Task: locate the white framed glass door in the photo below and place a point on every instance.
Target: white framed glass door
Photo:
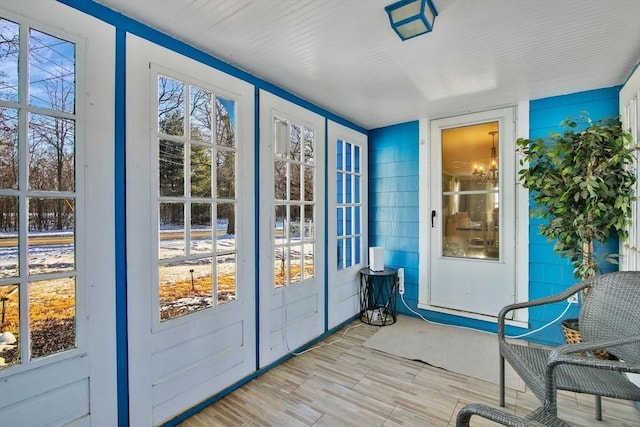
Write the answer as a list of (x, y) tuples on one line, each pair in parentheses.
[(57, 246), (291, 228), (347, 220), (190, 245), (472, 212)]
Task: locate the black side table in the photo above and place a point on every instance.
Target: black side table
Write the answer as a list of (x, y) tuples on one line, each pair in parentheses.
[(378, 296)]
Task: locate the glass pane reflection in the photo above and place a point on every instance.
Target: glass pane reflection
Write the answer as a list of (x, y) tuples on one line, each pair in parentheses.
[(51, 153), (471, 226), (10, 298), (52, 316), (172, 241), (8, 147), (9, 34), (226, 275), (51, 238), (185, 287), (52, 75), (9, 246)]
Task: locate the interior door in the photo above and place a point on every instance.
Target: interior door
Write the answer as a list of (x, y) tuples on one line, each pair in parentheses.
[(190, 232), (292, 293), (472, 215)]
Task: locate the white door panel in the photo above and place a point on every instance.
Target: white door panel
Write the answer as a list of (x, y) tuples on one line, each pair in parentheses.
[(292, 232), (190, 233), (57, 105), (347, 229), (473, 245)]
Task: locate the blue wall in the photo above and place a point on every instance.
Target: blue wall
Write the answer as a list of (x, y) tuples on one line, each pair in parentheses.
[(394, 214), (393, 200), (548, 272)]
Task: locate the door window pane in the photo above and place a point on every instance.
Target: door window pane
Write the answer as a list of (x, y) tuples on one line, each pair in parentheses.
[(470, 192), (226, 174), (8, 148), (225, 122), (226, 277), (9, 245), (171, 106), (51, 242), (295, 141), (52, 314), (10, 325), (52, 76), (200, 172), (185, 287), (201, 229), (51, 153), (294, 181), (226, 227), (171, 168), (172, 237), (10, 36), (308, 179), (309, 222), (200, 114)]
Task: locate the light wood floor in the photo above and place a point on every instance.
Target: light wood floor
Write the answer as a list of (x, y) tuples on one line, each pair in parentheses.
[(347, 384)]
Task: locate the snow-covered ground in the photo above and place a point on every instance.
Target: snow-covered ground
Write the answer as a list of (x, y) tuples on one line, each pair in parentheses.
[(51, 257)]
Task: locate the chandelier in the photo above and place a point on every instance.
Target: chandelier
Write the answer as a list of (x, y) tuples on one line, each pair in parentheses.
[(490, 175)]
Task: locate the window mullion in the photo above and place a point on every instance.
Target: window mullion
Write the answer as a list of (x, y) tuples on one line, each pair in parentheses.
[(187, 201), (23, 209), (23, 66), (23, 289)]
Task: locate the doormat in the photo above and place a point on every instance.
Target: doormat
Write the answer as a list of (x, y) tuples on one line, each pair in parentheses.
[(464, 351)]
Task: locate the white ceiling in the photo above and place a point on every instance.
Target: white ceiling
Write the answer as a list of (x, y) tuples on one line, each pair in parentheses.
[(343, 56)]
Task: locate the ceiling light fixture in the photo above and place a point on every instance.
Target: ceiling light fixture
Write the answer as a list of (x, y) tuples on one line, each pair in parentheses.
[(492, 174), (410, 18)]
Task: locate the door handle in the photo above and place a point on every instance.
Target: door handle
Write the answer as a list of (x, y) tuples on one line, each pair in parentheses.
[(433, 216)]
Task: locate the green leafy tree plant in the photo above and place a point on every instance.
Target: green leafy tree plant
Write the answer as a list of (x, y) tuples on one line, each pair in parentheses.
[(582, 182)]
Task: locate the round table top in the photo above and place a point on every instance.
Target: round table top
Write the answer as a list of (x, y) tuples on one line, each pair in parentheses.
[(388, 271)]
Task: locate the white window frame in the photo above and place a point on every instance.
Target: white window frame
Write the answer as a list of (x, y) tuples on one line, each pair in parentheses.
[(157, 70), (79, 273), (94, 361), (344, 284), (630, 117)]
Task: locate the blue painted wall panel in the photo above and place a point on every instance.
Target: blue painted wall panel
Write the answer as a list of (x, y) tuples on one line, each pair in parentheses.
[(393, 198), (394, 216), (549, 273)]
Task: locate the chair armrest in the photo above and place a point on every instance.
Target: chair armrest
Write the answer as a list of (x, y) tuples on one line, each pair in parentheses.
[(573, 354), (562, 296), (541, 417), (581, 347), (499, 416), (566, 355)]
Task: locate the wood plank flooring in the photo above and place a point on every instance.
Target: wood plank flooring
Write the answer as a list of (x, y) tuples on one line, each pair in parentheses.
[(347, 384)]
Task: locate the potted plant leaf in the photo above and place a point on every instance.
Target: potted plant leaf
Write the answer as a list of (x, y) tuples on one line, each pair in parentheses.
[(582, 182)]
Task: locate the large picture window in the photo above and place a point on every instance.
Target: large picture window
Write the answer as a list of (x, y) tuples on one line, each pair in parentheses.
[(38, 194), (196, 197)]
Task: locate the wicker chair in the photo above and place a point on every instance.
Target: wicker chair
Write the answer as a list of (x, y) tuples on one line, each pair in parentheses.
[(609, 320), (541, 417)]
